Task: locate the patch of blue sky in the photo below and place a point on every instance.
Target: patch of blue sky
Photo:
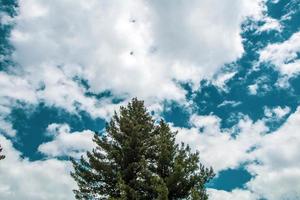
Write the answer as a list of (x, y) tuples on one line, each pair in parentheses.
[(177, 114), (8, 8), (230, 179), (31, 125), (277, 9)]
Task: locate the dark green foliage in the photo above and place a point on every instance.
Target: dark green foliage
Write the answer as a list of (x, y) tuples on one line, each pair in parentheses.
[(137, 159), (181, 170), (1, 156)]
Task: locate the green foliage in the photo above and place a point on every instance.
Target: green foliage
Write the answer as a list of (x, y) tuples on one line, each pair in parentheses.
[(179, 168), (1, 156), (137, 159)]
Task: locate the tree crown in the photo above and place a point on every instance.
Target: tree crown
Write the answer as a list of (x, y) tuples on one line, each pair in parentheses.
[(139, 159)]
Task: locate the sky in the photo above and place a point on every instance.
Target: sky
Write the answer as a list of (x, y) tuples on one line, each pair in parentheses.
[(224, 74)]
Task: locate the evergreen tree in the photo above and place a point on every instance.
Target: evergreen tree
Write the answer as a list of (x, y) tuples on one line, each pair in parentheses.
[(180, 169), (136, 159), (1, 156), (117, 167)]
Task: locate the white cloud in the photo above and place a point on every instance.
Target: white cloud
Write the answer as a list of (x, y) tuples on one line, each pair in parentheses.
[(221, 80), (212, 141), (62, 91), (13, 88), (36, 180), (200, 36), (270, 24), (66, 143), (253, 89), (260, 87), (275, 1), (91, 40), (284, 55), (231, 103), (237, 194), (277, 112), (139, 48), (277, 174), (6, 127)]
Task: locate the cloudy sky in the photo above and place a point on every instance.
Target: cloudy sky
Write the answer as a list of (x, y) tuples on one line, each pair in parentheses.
[(225, 74)]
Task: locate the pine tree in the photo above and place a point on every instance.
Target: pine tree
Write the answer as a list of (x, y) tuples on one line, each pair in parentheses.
[(117, 167), (1, 156), (137, 159), (180, 169)]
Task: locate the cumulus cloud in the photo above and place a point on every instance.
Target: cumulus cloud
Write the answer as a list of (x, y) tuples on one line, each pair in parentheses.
[(129, 48), (277, 174), (15, 87), (37, 180), (66, 143), (284, 56), (222, 149)]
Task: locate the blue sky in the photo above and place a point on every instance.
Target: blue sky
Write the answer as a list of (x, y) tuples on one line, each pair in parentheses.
[(225, 74)]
